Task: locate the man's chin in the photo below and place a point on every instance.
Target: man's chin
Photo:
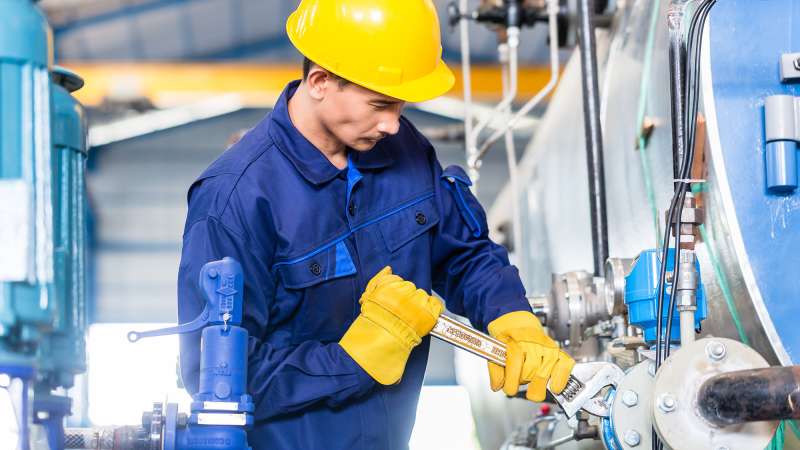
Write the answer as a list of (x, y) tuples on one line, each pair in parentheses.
[(364, 145)]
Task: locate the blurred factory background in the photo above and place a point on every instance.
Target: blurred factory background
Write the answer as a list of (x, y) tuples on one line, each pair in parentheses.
[(168, 85)]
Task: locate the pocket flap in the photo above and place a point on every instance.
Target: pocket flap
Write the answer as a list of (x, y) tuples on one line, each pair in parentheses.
[(408, 223), (458, 183), (328, 262)]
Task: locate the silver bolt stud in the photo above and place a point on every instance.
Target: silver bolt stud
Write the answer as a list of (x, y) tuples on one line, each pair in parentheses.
[(797, 64), (632, 438), (716, 350), (630, 398), (667, 403)]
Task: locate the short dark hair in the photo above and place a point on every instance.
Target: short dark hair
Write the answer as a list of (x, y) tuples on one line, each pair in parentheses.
[(309, 64)]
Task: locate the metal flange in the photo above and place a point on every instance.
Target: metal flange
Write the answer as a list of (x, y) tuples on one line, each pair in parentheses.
[(631, 411), (674, 399)]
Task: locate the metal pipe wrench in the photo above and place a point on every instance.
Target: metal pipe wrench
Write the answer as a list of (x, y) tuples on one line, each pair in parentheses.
[(583, 391)]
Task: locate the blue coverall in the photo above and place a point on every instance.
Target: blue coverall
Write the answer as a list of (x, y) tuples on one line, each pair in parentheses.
[(309, 237)]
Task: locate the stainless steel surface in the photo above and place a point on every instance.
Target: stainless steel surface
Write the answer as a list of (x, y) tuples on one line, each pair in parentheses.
[(556, 207), (616, 271), (574, 306)]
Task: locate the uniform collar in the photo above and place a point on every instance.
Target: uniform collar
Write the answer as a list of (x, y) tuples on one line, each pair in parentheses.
[(306, 158)]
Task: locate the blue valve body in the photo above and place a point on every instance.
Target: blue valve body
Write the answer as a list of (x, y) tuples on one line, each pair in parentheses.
[(223, 364), (641, 296), (212, 438), (221, 410)]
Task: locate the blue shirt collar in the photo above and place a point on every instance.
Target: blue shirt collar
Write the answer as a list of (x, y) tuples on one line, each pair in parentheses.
[(306, 158)]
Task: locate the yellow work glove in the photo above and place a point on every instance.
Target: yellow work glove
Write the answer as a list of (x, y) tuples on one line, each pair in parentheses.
[(531, 357), (394, 318)]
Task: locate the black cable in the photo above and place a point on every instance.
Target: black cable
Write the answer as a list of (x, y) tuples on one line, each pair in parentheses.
[(693, 71), (687, 89)]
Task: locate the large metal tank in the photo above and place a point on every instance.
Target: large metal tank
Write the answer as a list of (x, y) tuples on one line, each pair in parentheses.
[(752, 236)]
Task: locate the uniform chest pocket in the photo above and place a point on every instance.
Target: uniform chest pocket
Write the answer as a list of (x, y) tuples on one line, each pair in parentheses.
[(322, 285), (406, 225)]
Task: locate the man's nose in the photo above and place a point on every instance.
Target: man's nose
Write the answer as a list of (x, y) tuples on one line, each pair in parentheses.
[(390, 124)]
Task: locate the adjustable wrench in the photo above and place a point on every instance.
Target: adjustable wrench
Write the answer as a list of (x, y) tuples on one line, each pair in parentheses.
[(584, 384)]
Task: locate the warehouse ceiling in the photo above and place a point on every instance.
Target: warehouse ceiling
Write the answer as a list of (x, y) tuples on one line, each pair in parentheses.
[(211, 30)]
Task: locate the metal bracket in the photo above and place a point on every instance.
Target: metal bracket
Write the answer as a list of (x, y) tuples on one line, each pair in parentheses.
[(790, 67)]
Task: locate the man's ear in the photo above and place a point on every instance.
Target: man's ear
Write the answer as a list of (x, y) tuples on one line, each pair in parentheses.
[(318, 81)]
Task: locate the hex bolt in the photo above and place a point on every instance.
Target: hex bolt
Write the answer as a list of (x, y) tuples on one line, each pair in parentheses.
[(630, 398), (667, 403), (716, 350), (633, 438)]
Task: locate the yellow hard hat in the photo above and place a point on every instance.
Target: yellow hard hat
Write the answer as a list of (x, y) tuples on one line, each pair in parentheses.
[(389, 46)]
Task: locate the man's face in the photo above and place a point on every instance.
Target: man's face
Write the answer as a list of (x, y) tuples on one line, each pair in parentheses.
[(358, 117)]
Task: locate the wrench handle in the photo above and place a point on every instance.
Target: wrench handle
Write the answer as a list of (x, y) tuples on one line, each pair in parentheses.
[(477, 343), (470, 339)]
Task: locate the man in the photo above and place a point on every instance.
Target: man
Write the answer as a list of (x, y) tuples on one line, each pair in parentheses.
[(330, 204)]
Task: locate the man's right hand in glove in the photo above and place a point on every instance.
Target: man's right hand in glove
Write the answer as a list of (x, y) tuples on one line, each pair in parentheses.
[(394, 318)]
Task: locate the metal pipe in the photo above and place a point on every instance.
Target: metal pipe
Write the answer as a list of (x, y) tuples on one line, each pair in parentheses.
[(509, 55), (677, 63), (594, 134), (687, 326), (512, 34), (751, 396), (552, 10), (466, 75)]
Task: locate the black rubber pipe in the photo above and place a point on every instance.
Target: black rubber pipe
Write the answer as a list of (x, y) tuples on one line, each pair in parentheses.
[(594, 134), (751, 396)]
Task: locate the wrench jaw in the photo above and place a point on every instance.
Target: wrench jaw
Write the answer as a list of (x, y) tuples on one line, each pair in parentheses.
[(584, 387)]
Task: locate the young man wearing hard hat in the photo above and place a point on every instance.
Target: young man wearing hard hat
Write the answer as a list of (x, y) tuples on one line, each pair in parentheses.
[(330, 204)]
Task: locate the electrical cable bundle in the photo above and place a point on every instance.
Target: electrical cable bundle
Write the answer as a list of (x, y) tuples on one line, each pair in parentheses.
[(688, 53)]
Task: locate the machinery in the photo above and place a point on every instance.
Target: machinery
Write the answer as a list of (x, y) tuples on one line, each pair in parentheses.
[(42, 231), (221, 409), (674, 266), (659, 244)]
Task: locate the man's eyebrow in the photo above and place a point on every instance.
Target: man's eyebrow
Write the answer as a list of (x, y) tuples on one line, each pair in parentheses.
[(383, 101)]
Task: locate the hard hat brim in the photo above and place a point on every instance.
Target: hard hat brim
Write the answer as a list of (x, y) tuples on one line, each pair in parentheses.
[(432, 85), (428, 87)]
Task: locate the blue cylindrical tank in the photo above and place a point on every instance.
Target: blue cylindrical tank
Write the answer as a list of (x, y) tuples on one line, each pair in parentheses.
[(25, 174), (62, 352)]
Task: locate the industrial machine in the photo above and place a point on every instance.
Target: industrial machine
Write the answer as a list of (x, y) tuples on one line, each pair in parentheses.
[(658, 238), (659, 245), (42, 231), (221, 410)]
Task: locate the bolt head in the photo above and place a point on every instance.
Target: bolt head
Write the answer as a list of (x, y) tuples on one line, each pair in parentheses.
[(716, 350), (632, 438), (667, 403), (630, 398)]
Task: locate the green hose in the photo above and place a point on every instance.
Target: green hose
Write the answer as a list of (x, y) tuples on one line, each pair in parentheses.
[(648, 60), (724, 287)]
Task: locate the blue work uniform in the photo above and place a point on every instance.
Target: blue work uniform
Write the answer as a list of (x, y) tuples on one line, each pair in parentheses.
[(309, 237)]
